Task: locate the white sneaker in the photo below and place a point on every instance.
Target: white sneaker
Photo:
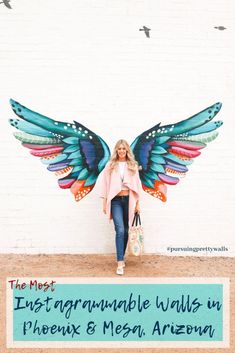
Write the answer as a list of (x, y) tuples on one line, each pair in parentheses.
[(120, 271)]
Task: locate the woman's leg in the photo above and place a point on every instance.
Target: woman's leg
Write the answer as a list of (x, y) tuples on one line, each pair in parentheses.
[(126, 221), (117, 214)]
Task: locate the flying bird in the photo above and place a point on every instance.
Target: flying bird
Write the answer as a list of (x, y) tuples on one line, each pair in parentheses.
[(221, 28), (77, 155), (6, 3), (146, 31)]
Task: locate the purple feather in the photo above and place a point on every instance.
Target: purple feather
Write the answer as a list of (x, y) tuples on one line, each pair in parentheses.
[(176, 167), (168, 179), (58, 166), (90, 154), (65, 183), (144, 153)]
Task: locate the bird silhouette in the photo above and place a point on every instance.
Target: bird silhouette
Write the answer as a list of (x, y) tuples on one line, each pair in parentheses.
[(221, 28), (6, 3), (146, 31)]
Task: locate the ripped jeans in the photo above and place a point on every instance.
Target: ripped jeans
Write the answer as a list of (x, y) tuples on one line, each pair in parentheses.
[(119, 210)]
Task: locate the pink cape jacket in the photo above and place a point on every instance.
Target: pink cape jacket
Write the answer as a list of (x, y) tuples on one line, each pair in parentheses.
[(111, 185)]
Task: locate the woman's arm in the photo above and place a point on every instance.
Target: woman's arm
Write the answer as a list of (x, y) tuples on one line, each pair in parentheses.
[(104, 205), (104, 188), (137, 207), (104, 179)]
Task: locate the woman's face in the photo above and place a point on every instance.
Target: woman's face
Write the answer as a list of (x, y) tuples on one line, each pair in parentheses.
[(121, 152)]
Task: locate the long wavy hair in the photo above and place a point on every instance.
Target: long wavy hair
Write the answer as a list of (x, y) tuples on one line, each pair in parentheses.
[(132, 165)]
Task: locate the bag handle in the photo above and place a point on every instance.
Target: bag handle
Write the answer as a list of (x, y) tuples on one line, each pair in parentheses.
[(139, 219), (136, 220)]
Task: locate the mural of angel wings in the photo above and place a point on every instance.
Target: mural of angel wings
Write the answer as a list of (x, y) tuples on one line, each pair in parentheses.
[(77, 155)]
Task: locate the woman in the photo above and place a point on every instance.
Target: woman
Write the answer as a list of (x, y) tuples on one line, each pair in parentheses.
[(121, 187)]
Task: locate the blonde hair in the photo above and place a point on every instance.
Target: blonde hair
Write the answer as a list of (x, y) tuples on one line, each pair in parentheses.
[(130, 159)]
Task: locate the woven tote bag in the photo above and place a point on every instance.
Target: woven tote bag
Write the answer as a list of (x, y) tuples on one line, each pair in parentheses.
[(136, 237)]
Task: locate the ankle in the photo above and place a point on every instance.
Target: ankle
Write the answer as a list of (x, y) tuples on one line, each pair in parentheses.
[(120, 264)]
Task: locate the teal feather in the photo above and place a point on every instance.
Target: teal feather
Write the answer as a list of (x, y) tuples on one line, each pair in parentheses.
[(84, 174), (147, 181), (193, 122), (77, 168), (158, 150), (74, 155), (152, 174), (76, 161), (71, 140), (174, 158), (134, 143), (106, 153), (162, 139), (157, 168), (74, 175), (61, 128), (29, 128), (211, 126), (91, 180), (72, 148), (157, 159)]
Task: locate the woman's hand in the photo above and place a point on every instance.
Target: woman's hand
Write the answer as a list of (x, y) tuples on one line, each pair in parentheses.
[(137, 207), (104, 205)]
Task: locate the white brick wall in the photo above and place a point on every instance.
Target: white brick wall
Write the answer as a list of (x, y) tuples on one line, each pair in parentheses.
[(86, 60)]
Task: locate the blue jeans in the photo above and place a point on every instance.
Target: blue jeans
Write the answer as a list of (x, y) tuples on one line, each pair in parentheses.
[(119, 210)]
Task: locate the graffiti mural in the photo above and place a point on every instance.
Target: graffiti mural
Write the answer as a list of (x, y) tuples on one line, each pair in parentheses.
[(77, 155)]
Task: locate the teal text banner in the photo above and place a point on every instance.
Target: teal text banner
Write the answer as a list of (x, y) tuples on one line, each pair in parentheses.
[(105, 312)]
